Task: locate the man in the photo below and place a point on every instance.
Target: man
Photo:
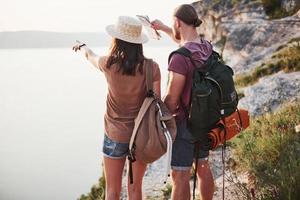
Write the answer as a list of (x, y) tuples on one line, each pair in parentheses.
[(183, 31)]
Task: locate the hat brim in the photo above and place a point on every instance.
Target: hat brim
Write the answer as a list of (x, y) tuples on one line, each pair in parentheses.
[(113, 32)]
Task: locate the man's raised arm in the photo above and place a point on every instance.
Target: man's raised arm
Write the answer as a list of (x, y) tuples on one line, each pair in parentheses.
[(158, 25)]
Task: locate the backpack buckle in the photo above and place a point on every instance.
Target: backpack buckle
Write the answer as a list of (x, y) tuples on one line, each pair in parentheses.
[(222, 112), (131, 156), (150, 93)]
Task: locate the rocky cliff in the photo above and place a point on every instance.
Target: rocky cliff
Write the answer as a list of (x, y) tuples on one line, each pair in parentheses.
[(247, 36), (243, 32)]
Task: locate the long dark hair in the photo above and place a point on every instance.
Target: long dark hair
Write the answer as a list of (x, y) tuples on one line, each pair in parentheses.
[(128, 56)]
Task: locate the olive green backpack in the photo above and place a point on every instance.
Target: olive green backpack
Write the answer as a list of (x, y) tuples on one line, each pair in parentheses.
[(213, 96)]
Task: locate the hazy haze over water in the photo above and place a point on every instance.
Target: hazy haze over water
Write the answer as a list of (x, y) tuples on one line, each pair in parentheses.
[(51, 110)]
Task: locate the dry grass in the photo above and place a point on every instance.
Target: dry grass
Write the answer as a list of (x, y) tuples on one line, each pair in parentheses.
[(286, 58), (269, 150)]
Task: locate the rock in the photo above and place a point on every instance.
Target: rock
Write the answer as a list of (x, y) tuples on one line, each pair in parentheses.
[(243, 29), (271, 92), (249, 44), (289, 5), (153, 181)]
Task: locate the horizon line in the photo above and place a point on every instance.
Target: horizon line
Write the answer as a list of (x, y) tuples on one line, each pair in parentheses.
[(46, 31)]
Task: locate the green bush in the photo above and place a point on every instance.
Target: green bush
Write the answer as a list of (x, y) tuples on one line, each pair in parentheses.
[(240, 94), (97, 191), (297, 39), (270, 150), (274, 10), (287, 58), (167, 192)]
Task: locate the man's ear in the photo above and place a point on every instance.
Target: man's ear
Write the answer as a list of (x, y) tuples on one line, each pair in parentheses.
[(177, 23)]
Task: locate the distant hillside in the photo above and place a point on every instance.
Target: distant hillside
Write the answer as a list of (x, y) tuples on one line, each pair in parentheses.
[(43, 39)]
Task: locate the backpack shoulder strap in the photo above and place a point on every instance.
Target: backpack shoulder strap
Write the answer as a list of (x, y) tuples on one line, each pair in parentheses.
[(182, 51), (145, 106), (147, 102), (149, 76), (148, 66), (187, 53)]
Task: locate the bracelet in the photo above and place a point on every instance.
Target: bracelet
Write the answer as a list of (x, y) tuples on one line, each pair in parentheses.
[(81, 46)]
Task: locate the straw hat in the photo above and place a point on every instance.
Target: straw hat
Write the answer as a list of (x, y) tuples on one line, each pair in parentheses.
[(128, 29)]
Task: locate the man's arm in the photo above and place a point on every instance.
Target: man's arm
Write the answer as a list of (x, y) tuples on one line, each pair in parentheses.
[(158, 25), (174, 90)]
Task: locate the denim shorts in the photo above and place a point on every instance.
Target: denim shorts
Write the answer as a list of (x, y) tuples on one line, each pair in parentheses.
[(113, 149), (183, 152)]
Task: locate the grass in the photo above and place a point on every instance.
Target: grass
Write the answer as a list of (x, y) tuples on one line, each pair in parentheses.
[(240, 94), (286, 58), (272, 8), (229, 3), (97, 191), (275, 11), (297, 39), (167, 192), (269, 150)]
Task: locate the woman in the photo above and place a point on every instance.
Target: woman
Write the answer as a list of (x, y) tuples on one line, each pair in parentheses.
[(124, 70)]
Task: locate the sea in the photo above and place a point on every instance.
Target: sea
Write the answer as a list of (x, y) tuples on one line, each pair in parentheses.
[(52, 103)]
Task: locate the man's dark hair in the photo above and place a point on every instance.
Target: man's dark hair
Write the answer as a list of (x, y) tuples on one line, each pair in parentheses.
[(187, 14)]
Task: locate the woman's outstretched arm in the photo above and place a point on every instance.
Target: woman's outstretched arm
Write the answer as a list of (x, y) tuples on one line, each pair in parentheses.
[(88, 53)]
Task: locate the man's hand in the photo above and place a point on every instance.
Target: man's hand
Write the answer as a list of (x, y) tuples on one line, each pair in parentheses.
[(158, 25)]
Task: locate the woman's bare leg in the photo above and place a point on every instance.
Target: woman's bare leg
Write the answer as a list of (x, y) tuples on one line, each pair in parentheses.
[(135, 189), (113, 170)]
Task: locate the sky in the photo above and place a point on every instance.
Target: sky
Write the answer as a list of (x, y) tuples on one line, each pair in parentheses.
[(78, 15)]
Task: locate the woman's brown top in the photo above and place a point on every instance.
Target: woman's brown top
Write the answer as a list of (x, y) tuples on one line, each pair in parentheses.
[(126, 94)]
